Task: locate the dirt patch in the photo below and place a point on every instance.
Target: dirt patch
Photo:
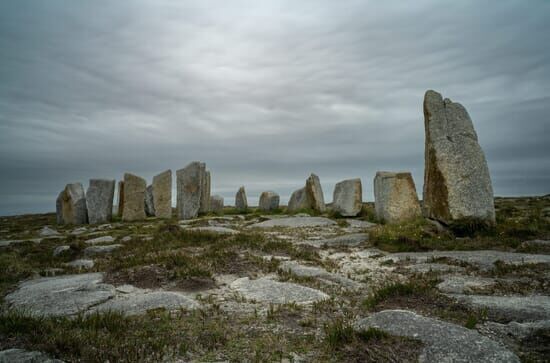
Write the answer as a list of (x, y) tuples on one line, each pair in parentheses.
[(145, 277)]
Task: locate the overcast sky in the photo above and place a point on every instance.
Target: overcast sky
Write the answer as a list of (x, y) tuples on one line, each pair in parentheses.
[(264, 92)]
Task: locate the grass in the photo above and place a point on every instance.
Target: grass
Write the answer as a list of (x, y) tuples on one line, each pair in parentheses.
[(415, 287)]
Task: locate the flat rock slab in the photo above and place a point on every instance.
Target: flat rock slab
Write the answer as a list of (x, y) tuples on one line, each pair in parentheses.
[(98, 240), (434, 267), (139, 302), (295, 222), (6, 243), (270, 291), (48, 232), (357, 223), (213, 229), (61, 295), (443, 341), (347, 240), (483, 259), (318, 273), (94, 250), (458, 284), (510, 308), (25, 356), (81, 263)]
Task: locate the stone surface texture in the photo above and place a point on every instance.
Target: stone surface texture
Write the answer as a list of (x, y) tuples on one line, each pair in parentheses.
[(73, 205), (347, 199), (216, 204), (149, 203), (295, 222), (270, 291), (395, 197), (25, 356), (162, 194), (315, 193), (134, 196), (457, 183), (241, 202), (298, 200), (205, 190), (189, 190), (99, 200), (120, 199), (269, 201)]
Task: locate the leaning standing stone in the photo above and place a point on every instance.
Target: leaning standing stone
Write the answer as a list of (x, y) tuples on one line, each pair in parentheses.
[(298, 201), (216, 204), (149, 203), (134, 196), (457, 183), (315, 193), (347, 199), (189, 182), (269, 201), (73, 205), (395, 198), (120, 198), (162, 194), (99, 200), (241, 203), (205, 190)]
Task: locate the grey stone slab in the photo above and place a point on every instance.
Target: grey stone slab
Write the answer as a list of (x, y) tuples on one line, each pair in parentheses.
[(25, 356), (347, 199), (133, 303), (318, 273), (99, 200), (395, 197), (95, 250), (270, 291), (295, 222), (460, 284), (98, 240), (347, 240)]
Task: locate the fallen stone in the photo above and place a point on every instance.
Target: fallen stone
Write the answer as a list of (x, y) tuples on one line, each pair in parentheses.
[(189, 190), (79, 231), (138, 303), (213, 229), (104, 239), (216, 204), (269, 201), (298, 201), (347, 240), (510, 308), (347, 199), (457, 183), (25, 356), (81, 263), (149, 205), (275, 292), (126, 239), (60, 295), (134, 196), (295, 222), (94, 250), (73, 205), (99, 200), (205, 190), (443, 341), (48, 232), (318, 273), (60, 249), (162, 194), (395, 197), (241, 203), (315, 193), (458, 284)]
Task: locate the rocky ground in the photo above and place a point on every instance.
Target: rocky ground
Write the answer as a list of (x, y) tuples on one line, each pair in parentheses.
[(290, 288)]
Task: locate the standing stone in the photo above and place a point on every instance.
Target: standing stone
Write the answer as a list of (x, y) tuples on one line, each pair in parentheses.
[(457, 183), (315, 193), (134, 196), (73, 204), (149, 204), (241, 203), (298, 201), (347, 199), (99, 200), (162, 194), (269, 201), (188, 184), (395, 198), (120, 198), (59, 208), (205, 190), (216, 204)]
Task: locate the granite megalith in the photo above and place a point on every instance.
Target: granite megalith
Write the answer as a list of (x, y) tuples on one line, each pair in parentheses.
[(59, 208), (241, 203), (457, 183), (205, 190), (269, 201), (298, 201), (149, 204), (189, 183), (315, 193), (120, 199), (395, 198), (134, 197), (162, 194), (216, 204), (99, 200), (73, 205), (347, 199)]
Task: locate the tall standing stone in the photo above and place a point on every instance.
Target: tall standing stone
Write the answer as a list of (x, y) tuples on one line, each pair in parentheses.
[(241, 203), (162, 194), (395, 198), (134, 197), (149, 204), (189, 182), (59, 207), (120, 198), (269, 201), (315, 193), (347, 199), (99, 200), (457, 183), (216, 204), (298, 201), (73, 204), (205, 190)]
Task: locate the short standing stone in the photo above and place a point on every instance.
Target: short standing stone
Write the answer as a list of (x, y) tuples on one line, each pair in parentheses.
[(149, 203), (395, 197), (269, 201), (162, 194), (347, 199), (315, 193), (298, 200), (457, 183), (99, 200), (241, 203), (134, 195), (189, 189), (120, 198), (73, 205), (205, 190), (216, 204)]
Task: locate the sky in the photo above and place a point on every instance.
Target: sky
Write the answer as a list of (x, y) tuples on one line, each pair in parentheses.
[(264, 92)]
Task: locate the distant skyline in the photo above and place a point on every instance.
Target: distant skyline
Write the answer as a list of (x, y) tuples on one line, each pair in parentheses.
[(264, 92)]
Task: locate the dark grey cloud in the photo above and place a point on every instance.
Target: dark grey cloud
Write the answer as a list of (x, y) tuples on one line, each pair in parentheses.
[(263, 92)]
